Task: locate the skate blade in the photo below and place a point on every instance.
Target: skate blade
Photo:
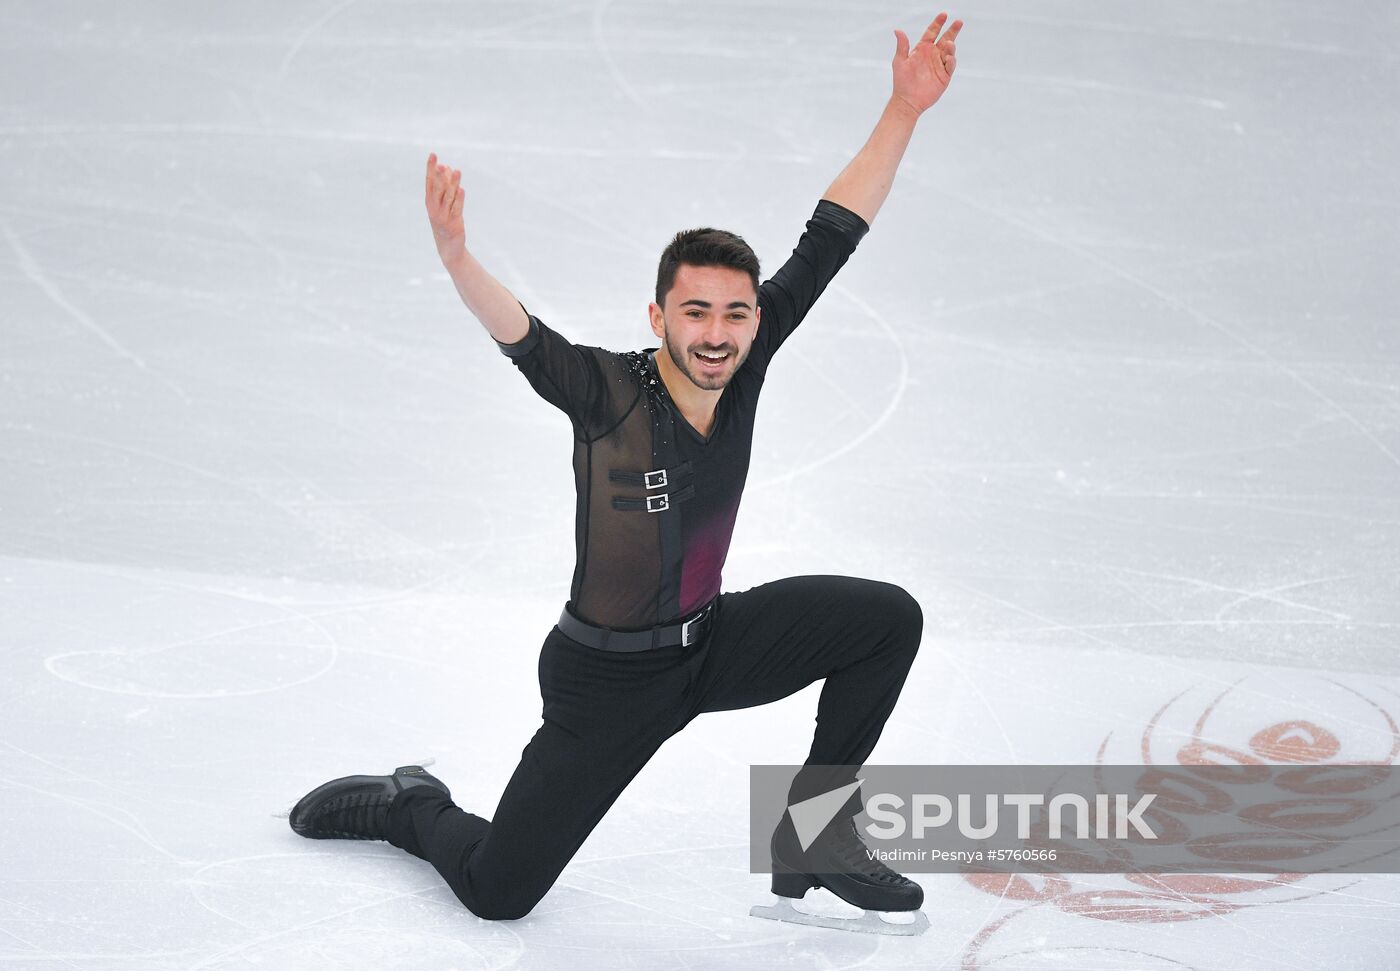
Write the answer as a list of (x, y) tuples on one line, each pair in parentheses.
[(869, 922)]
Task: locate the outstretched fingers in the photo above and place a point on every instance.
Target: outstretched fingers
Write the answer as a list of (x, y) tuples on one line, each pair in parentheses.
[(942, 50), (931, 35), (442, 184), (949, 36)]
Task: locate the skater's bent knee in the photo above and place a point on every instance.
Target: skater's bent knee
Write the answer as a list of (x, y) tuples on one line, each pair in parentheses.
[(904, 612)]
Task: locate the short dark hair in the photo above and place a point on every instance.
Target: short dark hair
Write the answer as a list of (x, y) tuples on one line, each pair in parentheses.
[(704, 247)]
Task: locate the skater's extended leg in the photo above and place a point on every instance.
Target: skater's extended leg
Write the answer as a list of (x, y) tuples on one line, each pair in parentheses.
[(605, 715)]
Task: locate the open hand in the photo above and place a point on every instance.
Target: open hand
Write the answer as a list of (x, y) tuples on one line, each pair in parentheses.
[(922, 75), (444, 200)]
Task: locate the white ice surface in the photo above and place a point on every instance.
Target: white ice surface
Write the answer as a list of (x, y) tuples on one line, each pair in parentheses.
[(1113, 387)]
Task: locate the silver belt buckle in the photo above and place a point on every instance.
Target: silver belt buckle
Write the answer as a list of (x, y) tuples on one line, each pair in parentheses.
[(686, 627), (659, 503), (659, 480)]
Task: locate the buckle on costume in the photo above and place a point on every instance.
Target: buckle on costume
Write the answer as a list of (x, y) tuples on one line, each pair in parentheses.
[(658, 503), (657, 483), (687, 627)]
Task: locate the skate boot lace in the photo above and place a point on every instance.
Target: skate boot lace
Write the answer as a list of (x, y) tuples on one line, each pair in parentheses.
[(851, 850), (359, 815)]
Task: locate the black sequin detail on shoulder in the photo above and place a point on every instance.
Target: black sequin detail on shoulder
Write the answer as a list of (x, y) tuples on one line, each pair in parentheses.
[(639, 363)]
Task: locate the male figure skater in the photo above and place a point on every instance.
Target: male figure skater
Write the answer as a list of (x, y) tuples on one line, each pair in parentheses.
[(647, 641)]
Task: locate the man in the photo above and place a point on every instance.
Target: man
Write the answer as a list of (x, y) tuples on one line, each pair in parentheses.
[(647, 641)]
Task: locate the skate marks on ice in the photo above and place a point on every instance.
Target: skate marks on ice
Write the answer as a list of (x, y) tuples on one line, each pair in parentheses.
[(354, 908), (168, 635), (844, 412), (194, 636), (140, 721)]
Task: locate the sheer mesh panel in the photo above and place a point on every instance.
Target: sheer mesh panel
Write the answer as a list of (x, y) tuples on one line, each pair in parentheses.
[(615, 584)]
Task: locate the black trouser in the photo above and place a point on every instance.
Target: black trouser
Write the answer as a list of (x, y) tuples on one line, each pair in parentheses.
[(606, 713)]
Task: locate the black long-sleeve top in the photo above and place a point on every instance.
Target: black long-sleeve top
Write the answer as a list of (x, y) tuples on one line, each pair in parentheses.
[(656, 501)]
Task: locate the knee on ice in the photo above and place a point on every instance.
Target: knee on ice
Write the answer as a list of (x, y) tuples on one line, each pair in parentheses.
[(505, 902), (503, 909)]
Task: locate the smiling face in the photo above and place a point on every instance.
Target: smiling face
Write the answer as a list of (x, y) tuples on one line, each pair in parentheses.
[(708, 323)]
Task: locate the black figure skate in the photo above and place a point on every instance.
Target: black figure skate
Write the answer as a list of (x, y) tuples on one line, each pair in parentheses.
[(356, 807), (838, 860)]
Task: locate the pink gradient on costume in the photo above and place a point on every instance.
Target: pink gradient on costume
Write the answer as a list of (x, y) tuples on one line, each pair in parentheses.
[(704, 559)]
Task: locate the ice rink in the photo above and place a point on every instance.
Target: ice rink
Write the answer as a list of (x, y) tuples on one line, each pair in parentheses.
[(1112, 387)]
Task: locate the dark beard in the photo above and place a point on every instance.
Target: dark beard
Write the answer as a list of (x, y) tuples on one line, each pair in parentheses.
[(680, 357)]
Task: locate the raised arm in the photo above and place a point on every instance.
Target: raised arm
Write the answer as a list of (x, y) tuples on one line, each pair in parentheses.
[(921, 76), (485, 296)]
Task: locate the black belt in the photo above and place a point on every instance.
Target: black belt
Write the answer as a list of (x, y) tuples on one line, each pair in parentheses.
[(685, 633)]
